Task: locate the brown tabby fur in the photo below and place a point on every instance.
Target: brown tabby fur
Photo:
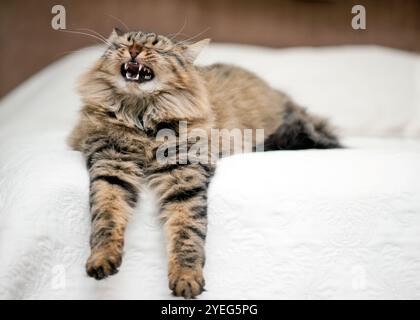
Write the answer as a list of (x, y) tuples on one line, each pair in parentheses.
[(117, 135)]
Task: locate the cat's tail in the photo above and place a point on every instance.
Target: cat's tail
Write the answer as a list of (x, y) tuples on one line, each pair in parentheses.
[(301, 130)]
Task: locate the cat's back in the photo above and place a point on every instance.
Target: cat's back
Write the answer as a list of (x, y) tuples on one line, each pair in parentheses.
[(240, 98), (230, 77)]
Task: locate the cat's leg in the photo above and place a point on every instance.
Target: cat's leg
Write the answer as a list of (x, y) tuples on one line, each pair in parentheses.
[(114, 186), (301, 130), (182, 191)]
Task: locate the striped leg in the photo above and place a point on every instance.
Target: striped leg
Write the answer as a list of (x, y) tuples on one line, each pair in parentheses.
[(114, 187), (182, 191)]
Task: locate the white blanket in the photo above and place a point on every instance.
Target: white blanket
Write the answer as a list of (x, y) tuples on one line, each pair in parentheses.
[(294, 224)]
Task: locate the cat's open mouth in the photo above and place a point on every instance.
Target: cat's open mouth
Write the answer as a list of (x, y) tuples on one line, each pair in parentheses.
[(134, 71)]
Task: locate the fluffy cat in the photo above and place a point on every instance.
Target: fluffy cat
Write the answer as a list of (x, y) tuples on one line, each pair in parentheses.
[(143, 83)]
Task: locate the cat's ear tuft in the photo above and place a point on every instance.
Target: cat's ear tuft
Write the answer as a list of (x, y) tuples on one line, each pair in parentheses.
[(117, 32), (191, 51)]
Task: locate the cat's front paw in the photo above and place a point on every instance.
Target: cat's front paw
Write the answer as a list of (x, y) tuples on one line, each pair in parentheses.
[(186, 282), (103, 262)]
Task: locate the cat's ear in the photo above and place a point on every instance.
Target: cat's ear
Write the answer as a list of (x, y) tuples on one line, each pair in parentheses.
[(191, 51), (117, 32)]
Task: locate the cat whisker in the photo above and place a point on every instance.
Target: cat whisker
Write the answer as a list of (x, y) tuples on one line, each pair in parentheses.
[(87, 34), (180, 30), (186, 41), (94, 32), (120, 21)]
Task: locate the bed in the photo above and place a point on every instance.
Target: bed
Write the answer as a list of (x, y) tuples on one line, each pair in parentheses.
[(313, 224)]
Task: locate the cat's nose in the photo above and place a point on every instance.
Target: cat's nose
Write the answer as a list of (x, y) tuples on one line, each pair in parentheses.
[(134, 52)]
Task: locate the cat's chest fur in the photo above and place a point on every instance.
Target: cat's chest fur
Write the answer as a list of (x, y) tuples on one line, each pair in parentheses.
[(142, 136)]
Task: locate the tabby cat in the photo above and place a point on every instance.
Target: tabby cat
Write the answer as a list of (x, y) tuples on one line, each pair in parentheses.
[(144, 83)]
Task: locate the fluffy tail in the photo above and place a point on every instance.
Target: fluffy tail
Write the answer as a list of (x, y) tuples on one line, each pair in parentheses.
[(300, 130)]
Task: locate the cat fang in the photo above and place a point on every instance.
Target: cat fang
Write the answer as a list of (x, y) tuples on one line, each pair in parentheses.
[(137, 72)]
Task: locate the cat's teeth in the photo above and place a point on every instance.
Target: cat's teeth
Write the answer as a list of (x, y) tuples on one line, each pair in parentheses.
[(130, 76), (126, 66)]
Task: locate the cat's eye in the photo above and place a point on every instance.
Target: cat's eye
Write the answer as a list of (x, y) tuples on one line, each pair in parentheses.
[(118, 46)]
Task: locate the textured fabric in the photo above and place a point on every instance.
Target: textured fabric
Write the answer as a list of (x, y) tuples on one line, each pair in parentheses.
[(291, 224)]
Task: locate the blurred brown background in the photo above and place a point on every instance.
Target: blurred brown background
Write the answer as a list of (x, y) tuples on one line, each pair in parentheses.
[(28, 42)]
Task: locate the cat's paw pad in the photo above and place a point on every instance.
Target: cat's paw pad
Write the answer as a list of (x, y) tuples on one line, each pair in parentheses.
[(103, 263), (186, 282)]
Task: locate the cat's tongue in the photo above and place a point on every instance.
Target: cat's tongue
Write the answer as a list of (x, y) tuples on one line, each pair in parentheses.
[(133, 70)]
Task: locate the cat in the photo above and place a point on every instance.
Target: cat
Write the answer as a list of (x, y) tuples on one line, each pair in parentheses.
[(143, 83)]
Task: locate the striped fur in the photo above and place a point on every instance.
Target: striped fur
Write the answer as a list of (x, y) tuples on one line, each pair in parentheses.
[(117, 135)]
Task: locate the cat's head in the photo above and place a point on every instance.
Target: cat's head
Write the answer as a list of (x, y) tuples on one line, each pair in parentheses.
[(145, 63)]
